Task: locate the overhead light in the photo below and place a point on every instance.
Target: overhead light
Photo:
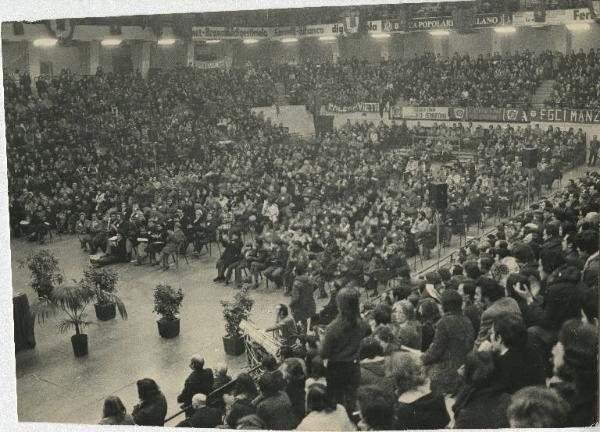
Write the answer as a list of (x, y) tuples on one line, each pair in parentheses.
[(380, 35), (327, 38), (45, 42), (578, 26), (167, 41), (111, 42), (213, 41), (439, 32), (505, 29), (289, 40), (250, 41)]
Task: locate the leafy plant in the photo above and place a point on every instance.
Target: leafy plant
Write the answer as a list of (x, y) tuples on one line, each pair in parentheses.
[(167, 301), (103, 282), (45, 272), (72, 301), (237, 310)]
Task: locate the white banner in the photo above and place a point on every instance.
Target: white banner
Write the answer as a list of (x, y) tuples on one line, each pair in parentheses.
[(201, 33), (425, 113), (553, 17), (308, 31)]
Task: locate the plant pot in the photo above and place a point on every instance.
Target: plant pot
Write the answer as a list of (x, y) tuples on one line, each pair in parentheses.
[(234, 346), (168, 329), (105, 311), (80, 345)]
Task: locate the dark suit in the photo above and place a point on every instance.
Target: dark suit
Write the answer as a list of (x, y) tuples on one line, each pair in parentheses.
[(303, 302), (199, 381), (505, 305), (204, 417)]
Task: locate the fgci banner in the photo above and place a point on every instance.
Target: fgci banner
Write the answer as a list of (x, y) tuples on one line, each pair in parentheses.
[(565, 115), (420, 113), (358, 107)]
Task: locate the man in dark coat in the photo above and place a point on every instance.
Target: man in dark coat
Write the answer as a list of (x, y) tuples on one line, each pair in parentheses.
[(232, 253), (516, 363), (303, 304), (202, 416), (152, 409), (552, 239), (199, 381)]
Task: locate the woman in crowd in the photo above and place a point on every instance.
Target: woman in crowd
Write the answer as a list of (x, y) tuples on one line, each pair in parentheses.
[(152, 409), (114, 412), (417, 407), (240, 403), (294, 374), (341, 347), (323, 412), (453, 339)]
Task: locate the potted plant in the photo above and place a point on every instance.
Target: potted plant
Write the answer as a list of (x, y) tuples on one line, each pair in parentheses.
[(103, 282), (72, 301), (45, 272), (234, 312), (167, 303)]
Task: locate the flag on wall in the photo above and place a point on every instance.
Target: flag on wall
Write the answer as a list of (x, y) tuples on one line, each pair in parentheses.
[(351, 24)]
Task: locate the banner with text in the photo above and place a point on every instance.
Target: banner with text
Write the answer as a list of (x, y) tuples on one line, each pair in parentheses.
[(202, 33), (565, 115), (552, 17), (420, 113), (432, 23), (358, 107)]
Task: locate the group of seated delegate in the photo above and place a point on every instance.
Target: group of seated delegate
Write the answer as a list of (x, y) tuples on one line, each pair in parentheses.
[(507, 336)]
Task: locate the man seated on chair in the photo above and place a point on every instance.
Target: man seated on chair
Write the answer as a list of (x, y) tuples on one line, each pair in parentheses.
[(232, 254), (257, 260), (276, 263), (157, 238), (198, 231), (82, 228), (175, 238)]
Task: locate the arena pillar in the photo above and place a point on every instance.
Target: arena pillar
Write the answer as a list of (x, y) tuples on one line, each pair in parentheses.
[(140, 57), (33, 60), (189, 53), (335, 51), (89, 57)]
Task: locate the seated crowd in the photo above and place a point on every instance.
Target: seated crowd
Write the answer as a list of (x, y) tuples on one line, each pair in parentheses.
[(505, 337), (577, 81)]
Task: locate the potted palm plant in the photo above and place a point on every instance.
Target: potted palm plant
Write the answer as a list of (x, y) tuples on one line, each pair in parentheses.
[(103, 282), (72, 301), (45, 272), (234, 312), (167, 302)]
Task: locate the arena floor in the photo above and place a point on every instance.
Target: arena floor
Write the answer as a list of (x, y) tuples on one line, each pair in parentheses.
[(54, 386)]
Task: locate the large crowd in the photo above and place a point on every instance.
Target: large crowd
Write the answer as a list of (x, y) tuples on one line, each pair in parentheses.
[(144, 170), (577, 82), (505, 337)]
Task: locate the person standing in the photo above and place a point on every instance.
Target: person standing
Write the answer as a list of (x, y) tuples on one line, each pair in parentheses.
[(302, 304), (594, 149), (341, 347)]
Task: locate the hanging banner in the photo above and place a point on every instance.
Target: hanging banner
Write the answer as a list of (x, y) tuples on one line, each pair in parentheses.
[(492, 20), (211, 64), (358, 107), (200, 33), (565, 115), (446, 22), (552, 17), (442, 23), (420, 113), (335, 29)]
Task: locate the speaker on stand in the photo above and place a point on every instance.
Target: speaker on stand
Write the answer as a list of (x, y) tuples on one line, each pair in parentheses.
[(438, 199), (530, 161)]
